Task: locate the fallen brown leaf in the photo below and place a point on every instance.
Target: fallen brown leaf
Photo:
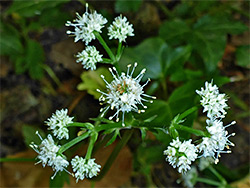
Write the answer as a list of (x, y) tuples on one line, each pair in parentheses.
[(26, 174)]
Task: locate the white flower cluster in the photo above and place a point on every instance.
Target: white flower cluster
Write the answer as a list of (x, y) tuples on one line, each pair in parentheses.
[(88, 25), (120, 29), (214, 104), (204, 162), (58, 122), (84, 168), (89, 57), (124, 93), (189, 179), (85, 26), (47, 154), (181, 154), (218, 140)]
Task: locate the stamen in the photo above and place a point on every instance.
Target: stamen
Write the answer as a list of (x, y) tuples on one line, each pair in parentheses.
[(139, 76), (128, 69), (232, 123), (87, 6), (54, 175), (146, 83), (114, 76), (98, 90), (123, 114), (116, 72), (37, 133), (135, 65)]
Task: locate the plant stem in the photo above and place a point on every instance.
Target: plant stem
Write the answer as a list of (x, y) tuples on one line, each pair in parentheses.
[(83, 125), (73, 142), (114, 154), (52, 74), (102, 142), (105, 46), (190, 130), (93, 138), (118, 55), (106, 61), (208, 181), (17, 159), (217, 174), (107, 126), (187, 112)]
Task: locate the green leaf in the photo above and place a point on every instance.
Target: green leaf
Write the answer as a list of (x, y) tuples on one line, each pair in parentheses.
[(32, 7), (149, 155), (185, 74), (122, 6), (143, 133), (219, 25), (115, 134), (210, 46), (29, 134), (34, 59), (174, 59), (148, 55), (58, 16), (91, 81), (20, 65), (59, 180), (10, 43), (174, 32), (159, 108), (243, 56), (184, 96)]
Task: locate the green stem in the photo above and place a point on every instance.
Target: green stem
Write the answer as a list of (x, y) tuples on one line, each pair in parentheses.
[(52, 74), (73, 142), (190, 130), (83, 125), (208, 181), (106, 61), (217, 174), (102, 142), (93, 138), (118, 55), (114, 154), (107, 126), (17, 159), (187, 112), (105, 46)]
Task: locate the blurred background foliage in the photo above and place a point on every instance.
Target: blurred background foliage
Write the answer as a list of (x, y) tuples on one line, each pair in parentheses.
[(181, 43)]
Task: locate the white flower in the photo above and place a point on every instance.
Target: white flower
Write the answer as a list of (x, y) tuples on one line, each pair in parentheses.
[(213, 102), (89, 57), (85, 26), (58, 122), (181, 154), (189, 179), (84, 168), (124, 93), (218, 140), (47, 154), (120, 29), (204, 162)]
